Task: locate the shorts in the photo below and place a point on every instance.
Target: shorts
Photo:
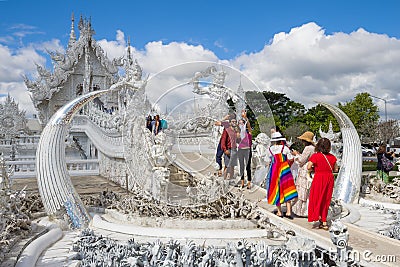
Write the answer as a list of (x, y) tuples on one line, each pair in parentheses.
[(231, 160)]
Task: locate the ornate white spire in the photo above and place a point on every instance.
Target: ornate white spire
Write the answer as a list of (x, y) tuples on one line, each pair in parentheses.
[(241, 103), (130, 60), (72, 36)]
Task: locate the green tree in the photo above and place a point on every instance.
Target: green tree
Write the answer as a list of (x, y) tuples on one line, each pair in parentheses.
[(285, 110), (259, 112), (318, 117), (293, 131), (361, 111)]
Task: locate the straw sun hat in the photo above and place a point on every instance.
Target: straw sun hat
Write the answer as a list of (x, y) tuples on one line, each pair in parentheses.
[(307, 136)]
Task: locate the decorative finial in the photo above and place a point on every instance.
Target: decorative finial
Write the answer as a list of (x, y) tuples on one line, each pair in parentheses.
[(240, 88), (80, 24), (72, 36)]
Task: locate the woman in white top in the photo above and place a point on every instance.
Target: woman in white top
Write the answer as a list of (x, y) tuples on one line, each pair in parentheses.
[(303, 182), (281, 188)]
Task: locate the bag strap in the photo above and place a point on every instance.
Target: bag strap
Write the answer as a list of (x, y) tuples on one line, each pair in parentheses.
[(328, 162), (283, 147)]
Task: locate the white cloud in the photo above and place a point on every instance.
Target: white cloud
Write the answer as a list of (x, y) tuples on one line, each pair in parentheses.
[(219, 44), (19, 92), (15, 64), (158, 56), (6, 39), (52, 45), (305, 63), (114, 49), (22, 30), (308, 65)]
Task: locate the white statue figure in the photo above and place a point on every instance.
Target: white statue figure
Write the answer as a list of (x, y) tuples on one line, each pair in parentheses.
[(216, 134), (159, 151), (336, 144), (159, 180), (333, 137), (216, 89), (263, 142)]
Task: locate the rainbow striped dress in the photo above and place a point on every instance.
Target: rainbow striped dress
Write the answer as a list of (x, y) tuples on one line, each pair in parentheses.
[(281, 187)]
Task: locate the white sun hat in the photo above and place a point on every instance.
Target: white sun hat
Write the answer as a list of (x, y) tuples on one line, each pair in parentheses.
[(277, 136)]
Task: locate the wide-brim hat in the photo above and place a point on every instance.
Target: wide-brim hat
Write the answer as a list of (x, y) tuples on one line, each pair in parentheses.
[(307, 136), (277, 136)]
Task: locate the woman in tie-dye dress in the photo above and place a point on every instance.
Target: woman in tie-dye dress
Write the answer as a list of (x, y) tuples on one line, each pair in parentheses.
[(281, 188)]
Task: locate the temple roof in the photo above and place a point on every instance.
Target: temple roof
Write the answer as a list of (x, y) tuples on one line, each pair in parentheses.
[(49, 83)]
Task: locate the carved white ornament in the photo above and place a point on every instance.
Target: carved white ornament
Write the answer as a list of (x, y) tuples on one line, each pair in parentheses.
[(12, 120)]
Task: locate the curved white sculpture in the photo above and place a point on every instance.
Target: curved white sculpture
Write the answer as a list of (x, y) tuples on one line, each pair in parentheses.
[(347, 185), (55, 187)]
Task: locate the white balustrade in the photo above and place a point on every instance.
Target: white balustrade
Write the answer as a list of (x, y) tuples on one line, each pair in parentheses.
[(109, 143), (75, 167)]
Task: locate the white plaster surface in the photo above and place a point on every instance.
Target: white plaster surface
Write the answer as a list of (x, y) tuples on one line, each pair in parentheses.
[(114, 216), (179, 234), (32, 252)]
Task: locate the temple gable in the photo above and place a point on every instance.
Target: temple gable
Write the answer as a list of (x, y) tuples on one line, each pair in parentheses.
[(83, 68)]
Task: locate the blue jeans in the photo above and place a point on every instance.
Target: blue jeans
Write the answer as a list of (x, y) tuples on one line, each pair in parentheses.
[(218, 156)]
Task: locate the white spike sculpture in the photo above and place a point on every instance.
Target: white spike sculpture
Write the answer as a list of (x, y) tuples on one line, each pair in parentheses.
[(347, 184), (55, 186)]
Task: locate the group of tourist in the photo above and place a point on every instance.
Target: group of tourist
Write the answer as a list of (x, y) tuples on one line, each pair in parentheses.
[(155, 124), (306, 194), (235, 147), (309, 194)]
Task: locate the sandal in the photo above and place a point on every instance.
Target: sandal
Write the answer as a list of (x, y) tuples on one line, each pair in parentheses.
[(290, 217), (324, 227)]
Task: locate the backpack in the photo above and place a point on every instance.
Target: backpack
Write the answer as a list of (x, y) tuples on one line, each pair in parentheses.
[(387, 164), (164, 124)]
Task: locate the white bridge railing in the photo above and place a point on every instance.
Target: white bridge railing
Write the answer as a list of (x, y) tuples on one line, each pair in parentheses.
[(75, 167), (109, 143)]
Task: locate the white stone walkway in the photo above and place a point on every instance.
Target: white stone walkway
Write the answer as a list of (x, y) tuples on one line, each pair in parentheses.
[(60, 253)]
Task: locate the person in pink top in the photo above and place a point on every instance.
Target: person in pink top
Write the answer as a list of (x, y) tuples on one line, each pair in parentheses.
[(244, 149)]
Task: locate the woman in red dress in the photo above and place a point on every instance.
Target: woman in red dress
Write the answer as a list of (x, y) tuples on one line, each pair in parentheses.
[(324, 164)]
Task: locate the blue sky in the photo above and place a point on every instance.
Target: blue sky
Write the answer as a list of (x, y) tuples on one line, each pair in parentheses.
[(285, 40), (226, 27)]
